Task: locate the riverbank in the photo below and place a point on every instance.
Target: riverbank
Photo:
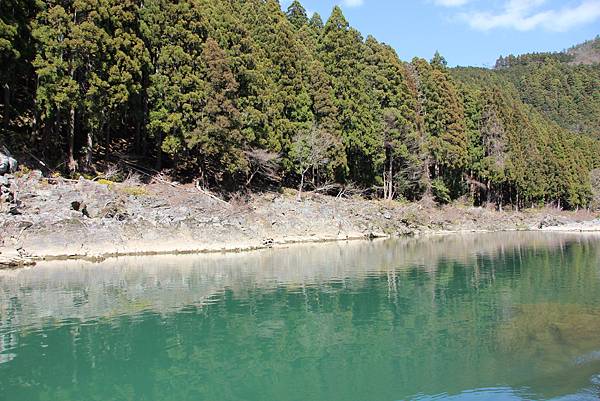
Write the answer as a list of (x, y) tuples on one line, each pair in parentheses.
[(55, 218)]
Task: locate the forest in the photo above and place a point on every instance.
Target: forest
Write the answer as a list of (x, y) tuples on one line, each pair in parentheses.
[(240, 95)]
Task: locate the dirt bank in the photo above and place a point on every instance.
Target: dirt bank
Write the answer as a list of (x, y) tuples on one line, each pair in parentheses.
[(56, 218)]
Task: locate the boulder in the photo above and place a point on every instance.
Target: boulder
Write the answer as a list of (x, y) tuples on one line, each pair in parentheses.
[(80, 207), (115, 210), (552, 221), (7, 163)]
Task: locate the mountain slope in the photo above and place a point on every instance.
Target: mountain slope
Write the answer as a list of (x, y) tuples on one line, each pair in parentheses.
[(563, 86)]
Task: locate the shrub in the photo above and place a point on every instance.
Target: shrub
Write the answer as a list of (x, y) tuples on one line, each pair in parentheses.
[(441, 193)]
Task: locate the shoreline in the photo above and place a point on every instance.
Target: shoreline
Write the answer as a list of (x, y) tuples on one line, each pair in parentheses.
[(82, 219), (233, 248)]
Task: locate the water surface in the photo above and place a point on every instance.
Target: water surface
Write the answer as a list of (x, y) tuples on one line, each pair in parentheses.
[(501, 316)]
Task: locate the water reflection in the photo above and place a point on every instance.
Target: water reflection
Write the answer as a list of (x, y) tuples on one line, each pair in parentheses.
[(515, 315)]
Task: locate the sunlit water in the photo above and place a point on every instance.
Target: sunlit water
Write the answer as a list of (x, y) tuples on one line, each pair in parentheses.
[(480, 317)]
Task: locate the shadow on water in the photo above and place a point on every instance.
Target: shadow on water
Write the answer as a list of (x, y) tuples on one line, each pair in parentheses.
[(515, 315)]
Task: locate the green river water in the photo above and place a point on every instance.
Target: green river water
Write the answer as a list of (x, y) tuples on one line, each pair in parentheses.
[(512, 316)]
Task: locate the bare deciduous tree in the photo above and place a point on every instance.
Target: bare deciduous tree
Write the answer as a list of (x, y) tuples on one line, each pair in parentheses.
[(312, 149), (263, 163)]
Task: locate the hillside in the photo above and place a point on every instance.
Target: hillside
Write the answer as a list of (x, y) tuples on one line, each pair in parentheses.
[(563, 86), (242, 96), (587, 53)]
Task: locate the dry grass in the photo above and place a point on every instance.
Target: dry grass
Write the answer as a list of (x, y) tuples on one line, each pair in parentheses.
[(134, 191)]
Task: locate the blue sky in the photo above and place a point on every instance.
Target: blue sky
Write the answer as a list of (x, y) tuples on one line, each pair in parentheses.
[(469, 32)]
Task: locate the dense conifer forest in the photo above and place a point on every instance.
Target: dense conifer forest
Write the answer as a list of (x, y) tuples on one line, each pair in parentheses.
[(241, 95)]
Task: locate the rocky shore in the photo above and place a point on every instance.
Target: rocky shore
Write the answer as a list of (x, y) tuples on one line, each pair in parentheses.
[(55, 218)]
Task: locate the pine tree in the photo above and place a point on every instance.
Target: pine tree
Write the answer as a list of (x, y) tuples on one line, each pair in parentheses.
[(296, 13), (316, 23), (60, 55), (400, 160), (217, 139), (342, 51), (176, 91), (444, 117), (16, 56)]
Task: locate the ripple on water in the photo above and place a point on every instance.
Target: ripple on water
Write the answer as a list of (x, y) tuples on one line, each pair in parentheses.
[(506, 316), (483, 394)]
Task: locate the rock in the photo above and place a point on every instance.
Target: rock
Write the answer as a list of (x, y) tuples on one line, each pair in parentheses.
[(7, 163), (4, 164), (552, 221), (405, 232), (12, 262), (376, 235), (80, 207), (387, 216), (7, 190), (115, 210), (14, 211)]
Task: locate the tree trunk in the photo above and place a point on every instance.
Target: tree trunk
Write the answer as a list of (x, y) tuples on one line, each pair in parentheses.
[(54, 131), (385, 186), (6, 101), (138, 134), (391, 179), (36, 124), (89, 150), (71, 164), (159, 151), (472, 188), (107, 140), (302, 183), (427, 175), (144, 133)]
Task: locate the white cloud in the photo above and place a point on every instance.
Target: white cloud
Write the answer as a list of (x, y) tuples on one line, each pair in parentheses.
[(353, 3), (451, 3), (525, 15)]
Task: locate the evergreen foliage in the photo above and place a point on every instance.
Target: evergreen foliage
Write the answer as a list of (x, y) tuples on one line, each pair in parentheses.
[(223, 91), (563, 86)]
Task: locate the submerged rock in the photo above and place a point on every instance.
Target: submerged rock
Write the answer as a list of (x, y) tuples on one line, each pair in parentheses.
[(551, 329)]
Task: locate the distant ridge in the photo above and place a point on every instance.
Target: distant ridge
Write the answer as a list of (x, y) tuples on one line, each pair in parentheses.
[(586, 53), (563, 86)]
